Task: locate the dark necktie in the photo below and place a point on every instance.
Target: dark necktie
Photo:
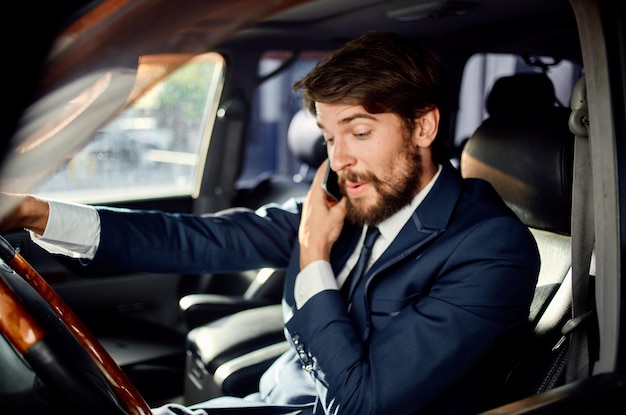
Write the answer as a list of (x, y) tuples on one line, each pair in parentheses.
[(359, 269)]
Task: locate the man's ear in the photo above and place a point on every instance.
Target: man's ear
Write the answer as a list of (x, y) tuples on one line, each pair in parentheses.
[(426, 128)]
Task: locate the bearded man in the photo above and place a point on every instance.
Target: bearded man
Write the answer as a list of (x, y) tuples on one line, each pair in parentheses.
[(427, 325)]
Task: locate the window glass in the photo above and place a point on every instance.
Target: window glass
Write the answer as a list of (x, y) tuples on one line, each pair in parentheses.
[(274, 105), (482, 70), (156, 147)]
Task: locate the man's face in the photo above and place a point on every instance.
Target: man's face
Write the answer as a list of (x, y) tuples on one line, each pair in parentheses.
[(379, 167)]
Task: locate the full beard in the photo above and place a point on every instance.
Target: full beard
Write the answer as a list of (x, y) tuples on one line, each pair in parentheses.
[(393, 192)]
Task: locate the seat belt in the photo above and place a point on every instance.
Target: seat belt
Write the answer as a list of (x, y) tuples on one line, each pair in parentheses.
[(583, 239)]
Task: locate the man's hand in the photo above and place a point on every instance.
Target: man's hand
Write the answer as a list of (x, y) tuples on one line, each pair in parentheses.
[(28, 212), (321, 222)]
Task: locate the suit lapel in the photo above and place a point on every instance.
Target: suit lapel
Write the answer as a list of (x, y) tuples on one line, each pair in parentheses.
[(427, 221)]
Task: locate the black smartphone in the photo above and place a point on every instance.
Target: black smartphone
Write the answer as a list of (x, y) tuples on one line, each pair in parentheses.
[(331, 184)]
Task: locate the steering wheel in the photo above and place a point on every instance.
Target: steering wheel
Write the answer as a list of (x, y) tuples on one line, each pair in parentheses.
[(77, 367)]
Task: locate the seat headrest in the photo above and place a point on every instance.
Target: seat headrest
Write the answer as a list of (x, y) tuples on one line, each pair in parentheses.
[(305, 139), (520, 93), (528, 157)]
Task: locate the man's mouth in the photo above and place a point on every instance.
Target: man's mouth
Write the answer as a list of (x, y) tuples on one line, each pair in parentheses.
[(355, 189)]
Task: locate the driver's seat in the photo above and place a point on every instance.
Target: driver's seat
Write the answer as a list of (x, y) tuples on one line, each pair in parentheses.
[(525, 150)]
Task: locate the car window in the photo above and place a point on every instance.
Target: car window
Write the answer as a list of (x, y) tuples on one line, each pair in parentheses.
[(482, 70), (155, 147), (274, 105)]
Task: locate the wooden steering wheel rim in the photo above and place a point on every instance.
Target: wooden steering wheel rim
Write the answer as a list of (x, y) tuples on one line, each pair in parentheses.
[(25, 334)]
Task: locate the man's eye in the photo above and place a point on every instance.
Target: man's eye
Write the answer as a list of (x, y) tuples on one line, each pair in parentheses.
[(362, 135), (328, 141)]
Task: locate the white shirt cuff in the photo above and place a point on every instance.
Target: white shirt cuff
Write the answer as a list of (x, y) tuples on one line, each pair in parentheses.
[(314, 278), (72, 230)]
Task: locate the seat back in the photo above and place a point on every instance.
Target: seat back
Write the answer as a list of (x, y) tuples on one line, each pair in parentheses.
[(525, 150)]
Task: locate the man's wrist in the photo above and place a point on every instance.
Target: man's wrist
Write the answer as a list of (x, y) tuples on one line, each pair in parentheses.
[(34, 214)]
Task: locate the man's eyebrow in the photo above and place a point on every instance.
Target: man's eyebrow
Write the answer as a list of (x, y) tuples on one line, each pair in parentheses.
[(351, 118)]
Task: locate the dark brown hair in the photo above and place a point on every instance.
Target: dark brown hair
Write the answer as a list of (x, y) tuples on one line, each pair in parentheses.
[(382, 72)]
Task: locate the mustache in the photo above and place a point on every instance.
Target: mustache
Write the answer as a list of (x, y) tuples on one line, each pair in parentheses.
[(358, 177)]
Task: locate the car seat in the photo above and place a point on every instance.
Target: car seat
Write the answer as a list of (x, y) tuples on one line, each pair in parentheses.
[(306, 144), (526, 150)]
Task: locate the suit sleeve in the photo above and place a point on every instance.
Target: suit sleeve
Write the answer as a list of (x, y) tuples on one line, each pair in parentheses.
[(232, 240)]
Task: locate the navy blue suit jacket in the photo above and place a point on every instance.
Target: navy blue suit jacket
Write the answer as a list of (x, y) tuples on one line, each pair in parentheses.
[(434, 321)]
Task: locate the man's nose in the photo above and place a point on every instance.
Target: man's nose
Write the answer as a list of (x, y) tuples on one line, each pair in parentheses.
[(340, 156)]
